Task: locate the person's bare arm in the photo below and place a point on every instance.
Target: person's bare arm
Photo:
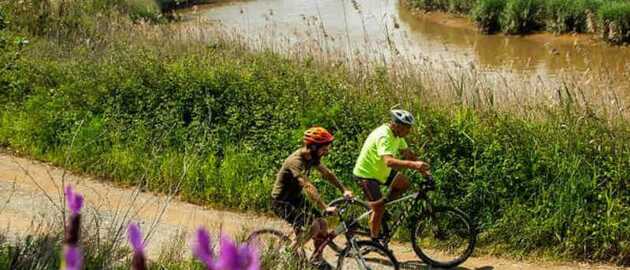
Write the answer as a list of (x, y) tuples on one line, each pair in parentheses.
[(311, 192), (398, 164), (330, 177)]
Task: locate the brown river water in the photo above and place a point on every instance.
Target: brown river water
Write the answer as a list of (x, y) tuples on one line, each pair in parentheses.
[(382, 28)]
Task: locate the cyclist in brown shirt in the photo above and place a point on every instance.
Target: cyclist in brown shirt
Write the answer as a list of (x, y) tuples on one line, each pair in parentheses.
[(288, 200)]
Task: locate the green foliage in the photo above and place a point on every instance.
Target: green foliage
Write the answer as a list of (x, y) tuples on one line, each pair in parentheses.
[(31, 253), (557, 16), (564, 16), (614, 20), (458, 6), (487, 13), (522, 16), (215, 124)]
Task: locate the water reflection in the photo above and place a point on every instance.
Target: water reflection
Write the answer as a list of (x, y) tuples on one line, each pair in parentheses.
[(371, 25)]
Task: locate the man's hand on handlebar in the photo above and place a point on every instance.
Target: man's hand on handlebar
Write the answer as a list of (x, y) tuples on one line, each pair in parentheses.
[(330, 210), (422, 167), (348, 194)]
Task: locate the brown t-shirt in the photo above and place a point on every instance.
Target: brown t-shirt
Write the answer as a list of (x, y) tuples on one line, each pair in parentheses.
[(287, 188)]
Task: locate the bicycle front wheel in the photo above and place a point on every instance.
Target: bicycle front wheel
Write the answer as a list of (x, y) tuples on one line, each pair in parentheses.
[(367, 255), (273, 247), (445, 238)]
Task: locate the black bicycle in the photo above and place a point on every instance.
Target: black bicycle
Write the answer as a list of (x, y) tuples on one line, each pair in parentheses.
[(274, 244), (441, 236)]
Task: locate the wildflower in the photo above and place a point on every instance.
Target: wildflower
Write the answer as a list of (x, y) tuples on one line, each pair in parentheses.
[(232, 257), (72, 258), (72, 253), (135, 239)]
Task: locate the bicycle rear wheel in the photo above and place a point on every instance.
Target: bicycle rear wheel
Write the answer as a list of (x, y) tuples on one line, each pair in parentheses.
[(444, 238), (367, 255)]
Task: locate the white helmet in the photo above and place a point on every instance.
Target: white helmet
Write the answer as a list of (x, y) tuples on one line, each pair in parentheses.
[(402, 117)]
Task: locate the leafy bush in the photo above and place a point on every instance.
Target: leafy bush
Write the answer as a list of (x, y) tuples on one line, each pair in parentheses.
[(567, 15), (522, 16), (614, 20), (487, 14), (458, 6), (461, 6), (431, 4)]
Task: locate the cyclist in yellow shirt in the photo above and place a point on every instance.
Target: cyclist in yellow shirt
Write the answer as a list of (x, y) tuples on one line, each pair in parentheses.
[(384, 153)]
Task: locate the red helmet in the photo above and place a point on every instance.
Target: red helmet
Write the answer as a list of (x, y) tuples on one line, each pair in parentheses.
[(317, 135)]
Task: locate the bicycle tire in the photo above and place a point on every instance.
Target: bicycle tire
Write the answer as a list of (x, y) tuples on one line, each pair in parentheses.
[(357, 208), (369, 252), (269, 244), (354, 209), (447, 226)]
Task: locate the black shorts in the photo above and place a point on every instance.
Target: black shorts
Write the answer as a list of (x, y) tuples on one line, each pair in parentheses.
[(372, 188), (298, 213)]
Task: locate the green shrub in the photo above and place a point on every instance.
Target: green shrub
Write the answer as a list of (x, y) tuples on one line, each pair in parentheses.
[(461, 6), (614, 21), (487, 14), (457, 6), (562, 16), (431, 4), (522, 16)]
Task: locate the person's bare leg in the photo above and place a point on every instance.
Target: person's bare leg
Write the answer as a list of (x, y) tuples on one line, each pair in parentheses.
[(319, 233), (378, 208), (399, 185)]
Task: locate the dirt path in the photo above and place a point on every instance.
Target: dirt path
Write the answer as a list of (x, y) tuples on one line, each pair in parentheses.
[(30, 195)]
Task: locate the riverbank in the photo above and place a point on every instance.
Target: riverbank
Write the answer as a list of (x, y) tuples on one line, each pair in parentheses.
[(463, 22), (608, 19), (140, 106)]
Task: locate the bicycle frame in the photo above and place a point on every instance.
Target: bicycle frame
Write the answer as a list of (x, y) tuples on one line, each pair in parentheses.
[(417, 197), (342, 228)]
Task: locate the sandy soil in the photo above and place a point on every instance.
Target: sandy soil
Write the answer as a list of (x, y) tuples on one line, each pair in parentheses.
[(30, 195)]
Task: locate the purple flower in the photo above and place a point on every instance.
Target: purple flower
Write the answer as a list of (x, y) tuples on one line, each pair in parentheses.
[(201, 247), (138, 261), (135, 237), (237, 258), (232, 257), (74, 200), (229, 258), (72, 258)]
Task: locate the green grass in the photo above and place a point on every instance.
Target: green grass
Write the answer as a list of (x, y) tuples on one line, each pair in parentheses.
[(522, 16), (215, 123), (564, 16), (614, 19), (487, 13), (610, 18)]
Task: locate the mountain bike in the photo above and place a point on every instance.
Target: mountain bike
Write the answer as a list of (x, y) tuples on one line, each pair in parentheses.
[(441, 236), (357, 254)]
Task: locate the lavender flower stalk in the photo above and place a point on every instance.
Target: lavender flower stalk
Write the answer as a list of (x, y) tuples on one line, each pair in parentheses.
[(72, 253), (72, 258), (232, 257), (201, 247), (135, 239)]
